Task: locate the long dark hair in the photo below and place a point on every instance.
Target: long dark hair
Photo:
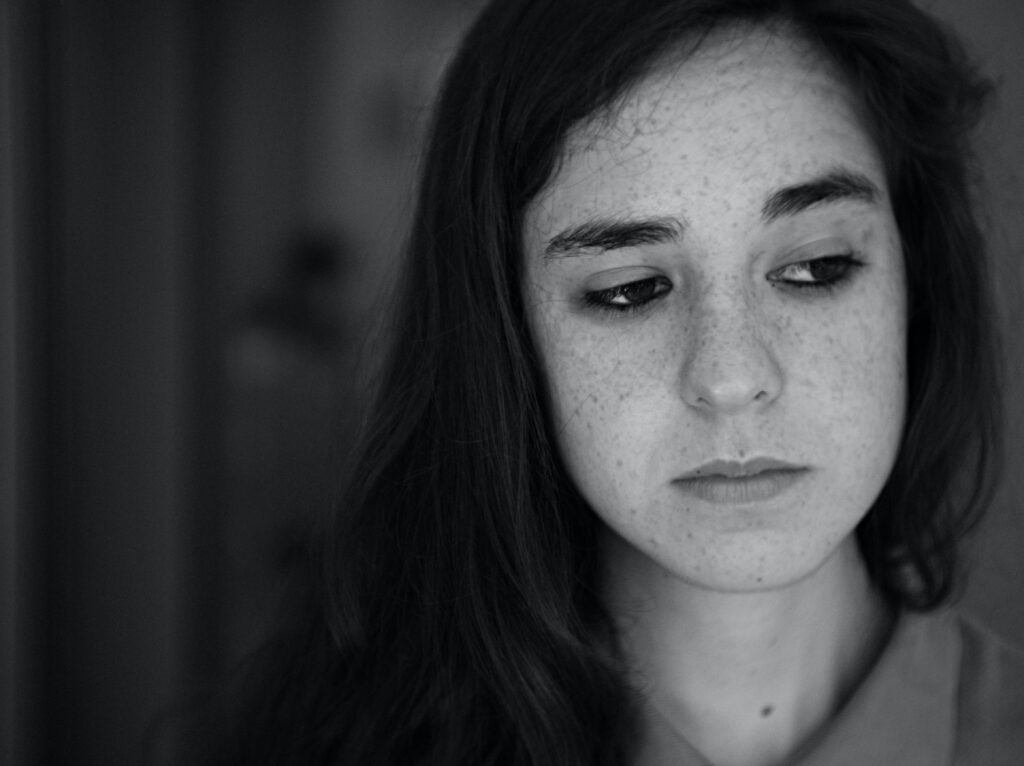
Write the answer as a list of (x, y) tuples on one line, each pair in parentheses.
[(456, 619)]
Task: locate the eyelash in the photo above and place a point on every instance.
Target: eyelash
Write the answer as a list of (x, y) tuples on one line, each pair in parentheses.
[(603, 299)]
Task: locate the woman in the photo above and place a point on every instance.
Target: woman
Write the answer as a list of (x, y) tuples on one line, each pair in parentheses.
[(691, 401)]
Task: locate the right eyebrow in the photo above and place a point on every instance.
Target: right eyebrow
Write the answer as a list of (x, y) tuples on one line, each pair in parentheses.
[(837, 184), (604, 234)]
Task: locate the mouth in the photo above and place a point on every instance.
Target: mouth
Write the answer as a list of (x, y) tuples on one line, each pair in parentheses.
[(724, 482)]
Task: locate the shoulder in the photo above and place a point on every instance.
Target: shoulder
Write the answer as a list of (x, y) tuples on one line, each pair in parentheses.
[(990, 699)]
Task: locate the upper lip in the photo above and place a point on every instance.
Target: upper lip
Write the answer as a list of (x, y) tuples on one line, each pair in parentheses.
[(732, 469)]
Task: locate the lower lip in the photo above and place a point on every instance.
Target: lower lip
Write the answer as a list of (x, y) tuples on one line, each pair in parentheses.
[(738, 490)]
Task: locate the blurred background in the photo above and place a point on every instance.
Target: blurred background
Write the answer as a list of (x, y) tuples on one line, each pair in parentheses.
[(199, 203)]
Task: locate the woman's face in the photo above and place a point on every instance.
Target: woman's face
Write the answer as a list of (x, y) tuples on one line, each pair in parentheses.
[(715, 285)]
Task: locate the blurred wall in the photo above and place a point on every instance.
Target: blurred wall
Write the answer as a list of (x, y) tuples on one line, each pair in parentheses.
[(199, 203), (993, 29), (185, 286), (99, 254)]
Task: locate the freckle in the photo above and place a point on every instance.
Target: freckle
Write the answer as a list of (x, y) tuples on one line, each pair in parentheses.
[(618, 463), (767, 710)]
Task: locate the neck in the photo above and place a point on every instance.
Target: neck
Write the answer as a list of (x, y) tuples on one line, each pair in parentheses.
[(746, 678)]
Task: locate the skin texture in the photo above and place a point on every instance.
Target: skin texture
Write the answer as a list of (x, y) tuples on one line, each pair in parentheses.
[(728, 607), (728, 364)]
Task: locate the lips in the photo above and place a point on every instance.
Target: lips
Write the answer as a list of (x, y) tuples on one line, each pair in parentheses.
[(737, 483), (732, 469)]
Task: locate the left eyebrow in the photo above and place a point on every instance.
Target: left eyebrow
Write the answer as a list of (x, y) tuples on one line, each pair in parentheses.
[(835, 185)]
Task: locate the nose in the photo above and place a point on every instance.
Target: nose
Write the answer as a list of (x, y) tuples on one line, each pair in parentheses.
[(730, 363)]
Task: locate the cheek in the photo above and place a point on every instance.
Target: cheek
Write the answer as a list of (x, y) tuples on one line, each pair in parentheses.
[(592, 380), (605, 392), (857, 373)]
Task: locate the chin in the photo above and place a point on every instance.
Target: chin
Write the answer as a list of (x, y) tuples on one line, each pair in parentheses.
[(754, 561)]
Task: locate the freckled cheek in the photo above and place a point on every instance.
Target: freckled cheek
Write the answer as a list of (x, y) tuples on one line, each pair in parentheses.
[(594, 379), (882, 352), (857, 364), (600, 389)]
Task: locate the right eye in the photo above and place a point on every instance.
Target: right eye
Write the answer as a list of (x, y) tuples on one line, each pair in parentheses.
[(628, 297)]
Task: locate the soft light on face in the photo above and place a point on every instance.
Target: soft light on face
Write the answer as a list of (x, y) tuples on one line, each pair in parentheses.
[(715, 285)]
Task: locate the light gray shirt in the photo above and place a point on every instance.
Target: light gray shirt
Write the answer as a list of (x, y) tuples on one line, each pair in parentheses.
[(944, 692)]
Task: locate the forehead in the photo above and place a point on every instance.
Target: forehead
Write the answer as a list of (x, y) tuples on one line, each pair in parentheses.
[(748, 110)]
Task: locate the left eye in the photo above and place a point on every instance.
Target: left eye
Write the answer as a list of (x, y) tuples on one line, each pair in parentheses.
[(820, 272), (630, 296)]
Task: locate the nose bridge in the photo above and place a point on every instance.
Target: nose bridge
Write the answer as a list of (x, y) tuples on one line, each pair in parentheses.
[(730, 362)]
